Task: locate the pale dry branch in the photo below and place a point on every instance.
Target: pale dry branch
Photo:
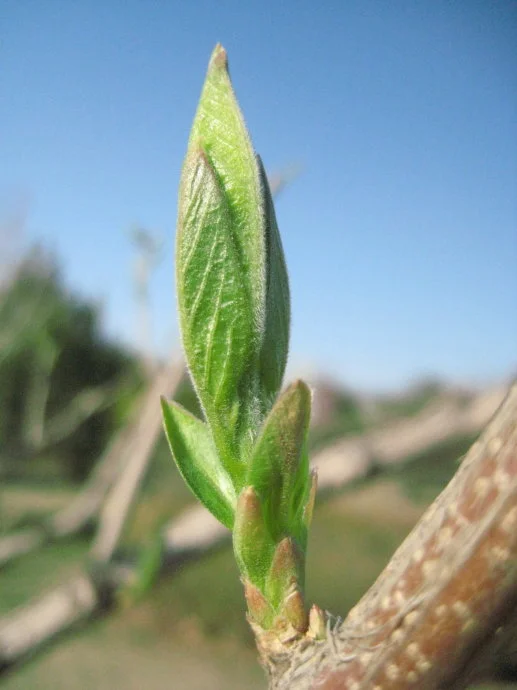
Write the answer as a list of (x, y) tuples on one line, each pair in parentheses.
[(27, 628), (123, 452), (24, 541), (116, 508), (30, 626), (356, 456)]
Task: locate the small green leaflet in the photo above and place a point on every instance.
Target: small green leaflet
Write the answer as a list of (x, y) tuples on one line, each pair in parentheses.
[(278, 467), (195, 455)]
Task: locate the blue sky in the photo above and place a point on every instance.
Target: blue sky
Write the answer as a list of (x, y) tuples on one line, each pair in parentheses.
[(400, 232)]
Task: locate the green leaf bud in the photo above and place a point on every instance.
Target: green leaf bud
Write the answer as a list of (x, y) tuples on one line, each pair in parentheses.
[(233, 292), (286, 571), (248, 463)]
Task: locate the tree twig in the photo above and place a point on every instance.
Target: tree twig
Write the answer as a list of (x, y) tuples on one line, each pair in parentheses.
[(447, 593)]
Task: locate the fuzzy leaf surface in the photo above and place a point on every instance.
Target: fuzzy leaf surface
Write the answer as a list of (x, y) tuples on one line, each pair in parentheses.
[(279, 466), (275, 343), (215, 310), (220, 128), (195, 455), (252, 542)]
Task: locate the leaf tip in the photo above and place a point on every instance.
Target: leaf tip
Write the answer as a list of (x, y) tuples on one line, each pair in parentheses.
[(287, 562), (219, 57), (302, 389), (164, 405), (249, 506), (258, 606), (294, 610)]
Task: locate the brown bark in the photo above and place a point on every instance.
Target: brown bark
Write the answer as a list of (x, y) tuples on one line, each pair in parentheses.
[(442, 610)]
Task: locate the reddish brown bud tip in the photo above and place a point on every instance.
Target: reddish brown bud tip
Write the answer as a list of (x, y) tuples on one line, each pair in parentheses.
[(249, 507), (317, 623), (293, 609), (219, 57), (285, 573), (287, 562), (258, 607)]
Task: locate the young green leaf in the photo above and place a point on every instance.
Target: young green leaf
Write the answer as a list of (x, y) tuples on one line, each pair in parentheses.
[(215, 310), (275, 343), (277, 469), (195, 455)]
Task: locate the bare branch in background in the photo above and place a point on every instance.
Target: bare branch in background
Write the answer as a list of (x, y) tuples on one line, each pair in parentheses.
[(118, 456)]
